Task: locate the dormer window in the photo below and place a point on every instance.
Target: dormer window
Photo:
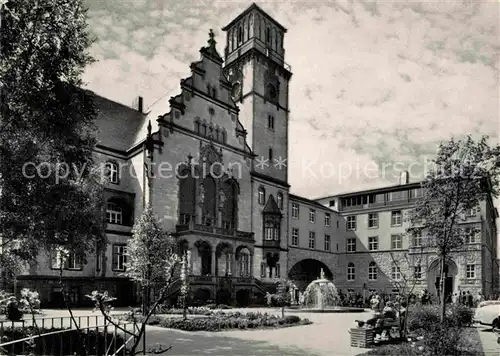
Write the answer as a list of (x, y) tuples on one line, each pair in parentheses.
[(112, 171)]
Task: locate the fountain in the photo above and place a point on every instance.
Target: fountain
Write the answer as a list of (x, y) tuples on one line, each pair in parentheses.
[(321, 296)]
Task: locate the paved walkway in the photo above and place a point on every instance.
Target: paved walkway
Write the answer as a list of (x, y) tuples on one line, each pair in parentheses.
[(327, 336)]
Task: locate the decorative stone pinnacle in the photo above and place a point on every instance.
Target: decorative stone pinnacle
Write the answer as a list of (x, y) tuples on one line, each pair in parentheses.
[(211, 40)]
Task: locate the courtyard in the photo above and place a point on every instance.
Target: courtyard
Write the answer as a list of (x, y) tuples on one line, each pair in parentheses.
[(327, 336)]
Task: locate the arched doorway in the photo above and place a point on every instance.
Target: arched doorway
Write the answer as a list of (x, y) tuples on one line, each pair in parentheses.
[(434, 278), (306, 271)]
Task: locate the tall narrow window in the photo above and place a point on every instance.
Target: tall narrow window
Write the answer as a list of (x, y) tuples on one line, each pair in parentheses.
[(295, 237), (240, 34), (280, 200), (327, 242), (312, 239), (270, 154), (262, 196), (268, 36), (270, 122), (295, 211), (312, 216), (372, 271), (351, 272), (114, 214), (119, 257)]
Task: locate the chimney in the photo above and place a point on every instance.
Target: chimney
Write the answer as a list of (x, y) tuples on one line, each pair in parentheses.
[(139, 104), (404, 178)]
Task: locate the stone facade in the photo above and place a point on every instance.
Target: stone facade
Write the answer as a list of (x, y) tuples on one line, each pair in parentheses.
[(211, 160)]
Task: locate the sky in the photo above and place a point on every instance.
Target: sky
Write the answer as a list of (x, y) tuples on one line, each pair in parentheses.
[(376, 85)]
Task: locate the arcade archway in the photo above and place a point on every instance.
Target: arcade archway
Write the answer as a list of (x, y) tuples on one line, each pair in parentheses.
[(306, 271)]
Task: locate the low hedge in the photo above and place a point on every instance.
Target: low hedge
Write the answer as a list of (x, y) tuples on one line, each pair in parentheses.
[(226, 321)]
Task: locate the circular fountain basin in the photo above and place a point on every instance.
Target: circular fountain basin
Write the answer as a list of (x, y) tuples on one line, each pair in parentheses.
[(332, 310)]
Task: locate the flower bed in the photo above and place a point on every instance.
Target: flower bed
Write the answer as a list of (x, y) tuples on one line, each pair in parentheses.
[(219, 321)]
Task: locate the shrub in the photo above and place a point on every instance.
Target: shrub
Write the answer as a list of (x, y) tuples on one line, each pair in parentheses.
[(422, 318), (223, 321), (460, 315)]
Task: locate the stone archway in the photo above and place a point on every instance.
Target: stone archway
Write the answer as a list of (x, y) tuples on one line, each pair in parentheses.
[(434, 274), (306, 271)]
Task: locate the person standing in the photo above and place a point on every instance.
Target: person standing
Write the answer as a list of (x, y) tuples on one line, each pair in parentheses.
[(469, 300)]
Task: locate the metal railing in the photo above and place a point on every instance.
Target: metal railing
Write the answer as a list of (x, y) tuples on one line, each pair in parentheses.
[(67, 336)]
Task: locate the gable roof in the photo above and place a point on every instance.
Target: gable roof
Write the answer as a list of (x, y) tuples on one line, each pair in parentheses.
[(271, 207)]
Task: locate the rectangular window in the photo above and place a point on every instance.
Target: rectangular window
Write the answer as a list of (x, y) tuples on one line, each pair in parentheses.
[(295, 211), (312, 239), (295, 237), (373, 243), (471, 212), (417, 272), (396, 242), (396, 218), (351, 245), (270, 154), (74, 261), (327, 219), (331, 203), (119, 257), (470, 271), (351, 223), (327, 242), (278, 272), (312, 215), (373, 220), (470, 236), (351, 273), (270, 122), (395, 273)]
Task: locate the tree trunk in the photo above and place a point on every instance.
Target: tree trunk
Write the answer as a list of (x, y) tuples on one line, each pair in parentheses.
[(144, 300), (441, 289)]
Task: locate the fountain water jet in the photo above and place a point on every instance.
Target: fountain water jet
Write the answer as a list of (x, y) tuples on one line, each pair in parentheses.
[(321, 296)]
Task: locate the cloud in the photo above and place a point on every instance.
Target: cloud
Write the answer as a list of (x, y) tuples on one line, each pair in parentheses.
[(379, 83)]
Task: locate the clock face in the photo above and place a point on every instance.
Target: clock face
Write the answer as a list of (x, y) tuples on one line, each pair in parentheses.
[(236, 91)]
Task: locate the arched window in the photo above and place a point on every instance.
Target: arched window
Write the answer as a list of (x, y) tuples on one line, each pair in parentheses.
[(217, 135), (223, 136), (262, 196), (197, 126), (351, 272), (244, 259), (112, 172), (114, 213), (204, 129), (240, 35), (372, 271), (280, 200), (271, 92)]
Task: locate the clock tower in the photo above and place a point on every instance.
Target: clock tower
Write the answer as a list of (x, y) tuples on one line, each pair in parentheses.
[(254, 64)]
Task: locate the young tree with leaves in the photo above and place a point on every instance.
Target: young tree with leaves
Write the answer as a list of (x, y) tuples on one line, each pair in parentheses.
[(464, 173), (148, 252), (51, 191), (282, 296)]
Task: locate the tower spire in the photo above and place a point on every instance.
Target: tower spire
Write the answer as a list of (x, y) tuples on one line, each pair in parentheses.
[(211, 50)]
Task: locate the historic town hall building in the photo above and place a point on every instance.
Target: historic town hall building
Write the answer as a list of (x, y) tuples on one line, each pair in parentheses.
[(211, 159)]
